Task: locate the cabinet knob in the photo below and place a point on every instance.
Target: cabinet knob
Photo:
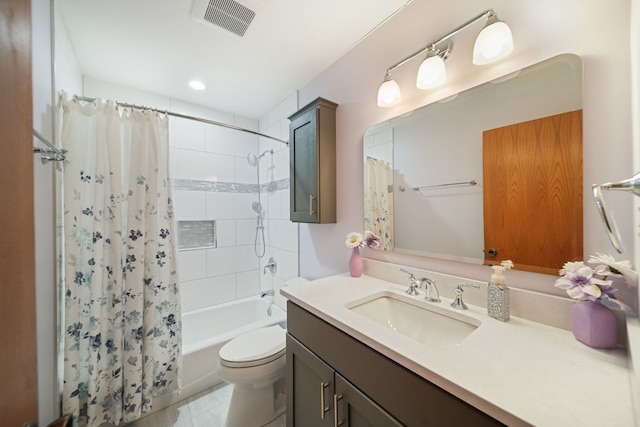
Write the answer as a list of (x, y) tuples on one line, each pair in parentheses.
[(492, 252)]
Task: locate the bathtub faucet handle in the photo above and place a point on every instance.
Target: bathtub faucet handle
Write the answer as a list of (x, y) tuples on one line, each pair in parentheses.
[(271, 266)]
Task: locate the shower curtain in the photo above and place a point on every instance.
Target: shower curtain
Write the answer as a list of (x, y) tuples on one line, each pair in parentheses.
[(378, 201), (121, 306)]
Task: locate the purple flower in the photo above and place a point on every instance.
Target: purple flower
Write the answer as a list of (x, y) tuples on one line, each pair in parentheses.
[(371, 240), (581, 284), (584, 283)]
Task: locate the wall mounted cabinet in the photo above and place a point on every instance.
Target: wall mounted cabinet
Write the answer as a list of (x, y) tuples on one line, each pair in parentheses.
[(334, 379), (312, 154)]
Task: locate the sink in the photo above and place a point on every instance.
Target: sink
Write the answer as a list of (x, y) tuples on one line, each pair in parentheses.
[(416, 319)]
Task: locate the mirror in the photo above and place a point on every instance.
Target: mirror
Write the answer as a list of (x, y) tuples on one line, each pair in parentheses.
[(423, 171)]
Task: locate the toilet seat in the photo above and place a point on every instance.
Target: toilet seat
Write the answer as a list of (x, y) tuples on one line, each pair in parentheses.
[(254, 348)]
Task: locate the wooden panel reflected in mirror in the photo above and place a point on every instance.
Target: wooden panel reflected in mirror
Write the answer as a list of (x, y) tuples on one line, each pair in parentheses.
[(532, 210)]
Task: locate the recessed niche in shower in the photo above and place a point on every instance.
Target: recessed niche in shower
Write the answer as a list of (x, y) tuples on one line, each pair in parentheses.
[(197, 234)]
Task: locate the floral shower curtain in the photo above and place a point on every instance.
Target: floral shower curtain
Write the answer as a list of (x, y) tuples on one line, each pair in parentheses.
[(378, 201), (121, 305)]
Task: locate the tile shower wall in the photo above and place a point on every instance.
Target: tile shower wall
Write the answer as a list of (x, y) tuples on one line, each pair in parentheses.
[(214, 181), (281, 233)]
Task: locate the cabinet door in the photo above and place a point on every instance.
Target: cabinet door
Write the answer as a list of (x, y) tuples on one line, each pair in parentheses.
[(354, 409), (303, 152), (310, 388)]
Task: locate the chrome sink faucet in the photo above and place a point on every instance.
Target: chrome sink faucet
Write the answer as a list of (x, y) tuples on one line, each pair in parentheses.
[(431, 290), (457, 302)]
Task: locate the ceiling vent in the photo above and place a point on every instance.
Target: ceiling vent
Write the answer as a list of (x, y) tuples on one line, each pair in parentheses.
[(226, 14)]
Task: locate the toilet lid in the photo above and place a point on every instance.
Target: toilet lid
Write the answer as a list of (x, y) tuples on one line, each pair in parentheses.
[(255, 345)]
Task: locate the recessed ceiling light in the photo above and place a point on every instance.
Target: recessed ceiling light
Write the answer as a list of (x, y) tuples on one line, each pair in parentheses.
[(197, 85)]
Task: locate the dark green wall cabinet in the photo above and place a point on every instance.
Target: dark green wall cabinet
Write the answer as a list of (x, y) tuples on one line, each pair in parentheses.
[(312, 155)]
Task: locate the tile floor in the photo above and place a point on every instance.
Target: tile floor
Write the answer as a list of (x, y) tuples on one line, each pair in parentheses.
[(206, 409)]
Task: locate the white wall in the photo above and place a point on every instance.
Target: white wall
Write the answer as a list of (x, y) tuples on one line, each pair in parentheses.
[(597, 31)]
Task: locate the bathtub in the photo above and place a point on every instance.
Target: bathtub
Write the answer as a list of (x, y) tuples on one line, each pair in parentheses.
[(205, 331)]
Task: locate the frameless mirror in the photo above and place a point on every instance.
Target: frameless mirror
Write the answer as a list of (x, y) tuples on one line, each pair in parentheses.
[(424, 175)]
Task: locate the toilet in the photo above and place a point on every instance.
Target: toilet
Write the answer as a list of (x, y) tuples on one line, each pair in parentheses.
[(254, 363)]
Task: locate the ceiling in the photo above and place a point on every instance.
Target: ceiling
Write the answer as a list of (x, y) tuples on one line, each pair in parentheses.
[(156, 46)]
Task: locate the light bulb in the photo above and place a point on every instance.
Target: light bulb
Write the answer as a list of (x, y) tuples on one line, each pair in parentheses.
[(197, 85), (388, 93), (432, 73), (493, 43)]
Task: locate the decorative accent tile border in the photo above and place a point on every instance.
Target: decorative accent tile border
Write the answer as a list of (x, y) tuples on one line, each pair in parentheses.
[(228, 187)]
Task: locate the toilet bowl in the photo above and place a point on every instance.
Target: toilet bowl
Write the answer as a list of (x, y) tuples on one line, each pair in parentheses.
[(254, 363)]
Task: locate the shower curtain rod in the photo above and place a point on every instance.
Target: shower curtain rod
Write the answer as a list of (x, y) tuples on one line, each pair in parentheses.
[(186, 116)]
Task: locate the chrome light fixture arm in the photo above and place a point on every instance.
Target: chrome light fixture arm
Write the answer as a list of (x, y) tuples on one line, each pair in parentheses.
[(484, 15), (432, 72)]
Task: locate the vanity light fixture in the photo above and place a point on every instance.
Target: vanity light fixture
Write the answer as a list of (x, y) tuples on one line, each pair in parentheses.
[(492, 44), (389, 92), (432, 72)]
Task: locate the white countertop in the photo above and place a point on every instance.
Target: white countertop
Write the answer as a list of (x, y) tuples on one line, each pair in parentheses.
[(520, 372)]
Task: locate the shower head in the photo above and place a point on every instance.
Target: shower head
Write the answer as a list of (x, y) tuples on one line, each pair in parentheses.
[(257, 207), (253, 160)]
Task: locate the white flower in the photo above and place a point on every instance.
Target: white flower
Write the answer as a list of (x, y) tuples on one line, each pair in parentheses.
[(570, 267), (617, 267), (359, 240), (354, 240)]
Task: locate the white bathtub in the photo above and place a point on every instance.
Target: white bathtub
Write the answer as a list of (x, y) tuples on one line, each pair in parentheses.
[(205, 331)]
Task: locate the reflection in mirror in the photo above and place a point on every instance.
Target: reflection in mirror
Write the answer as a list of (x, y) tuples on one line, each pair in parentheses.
[(419, 168)]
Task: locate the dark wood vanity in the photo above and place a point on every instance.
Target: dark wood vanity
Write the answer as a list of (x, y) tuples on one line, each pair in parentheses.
[(334, 379)]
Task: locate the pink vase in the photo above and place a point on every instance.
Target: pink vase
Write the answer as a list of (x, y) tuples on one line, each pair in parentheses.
[(594, 324), (356, 264)]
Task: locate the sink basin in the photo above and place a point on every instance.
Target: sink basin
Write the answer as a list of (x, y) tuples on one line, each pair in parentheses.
[(416, 319)]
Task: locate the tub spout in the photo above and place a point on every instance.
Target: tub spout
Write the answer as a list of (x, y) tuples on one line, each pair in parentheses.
[(267, 292)]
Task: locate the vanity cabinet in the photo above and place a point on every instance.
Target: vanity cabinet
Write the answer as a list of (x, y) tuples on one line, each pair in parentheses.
[(329, 369), (312, 156), (319, 396)]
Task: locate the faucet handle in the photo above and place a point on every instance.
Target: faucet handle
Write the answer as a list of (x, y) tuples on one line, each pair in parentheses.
[(411, 276), (457, 302), (414, 284)]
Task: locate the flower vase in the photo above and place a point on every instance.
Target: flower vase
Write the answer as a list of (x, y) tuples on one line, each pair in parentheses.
[(594, 324), (356, 264)]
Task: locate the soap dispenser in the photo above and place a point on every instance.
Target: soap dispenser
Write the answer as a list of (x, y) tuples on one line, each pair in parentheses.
[(498, 292)]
